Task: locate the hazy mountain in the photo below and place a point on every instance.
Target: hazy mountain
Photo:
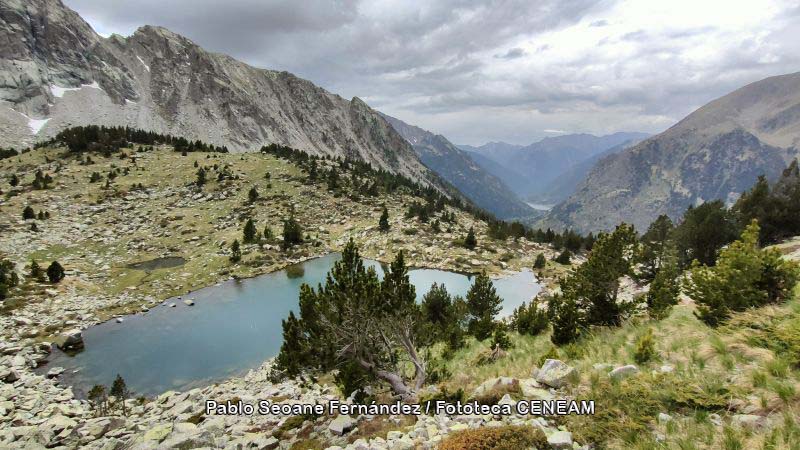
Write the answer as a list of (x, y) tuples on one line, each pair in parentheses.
[(565, 184), (458, 168), (55, 71), (530, 170), (500, 152), (716, 152)]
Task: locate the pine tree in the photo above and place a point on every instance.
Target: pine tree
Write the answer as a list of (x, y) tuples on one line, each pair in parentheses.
[(236, 252), (540, 262), (564, 257), (55, 272), (530, 319), (8, 277), (744, 276), (14, 180), (500, 337), (201, 177), (292, 357), (28, 213), (470, 242), (249, 232), (120, 393), (312, 170), (383, 222), (665, 287), (655, 244), (99, 399), (645, 348), (36, 271), (567, 320), (292, 232), (268, 234), (253, 194), (483, 304)]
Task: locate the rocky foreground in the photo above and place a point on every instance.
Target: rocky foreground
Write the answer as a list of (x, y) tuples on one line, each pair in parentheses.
[(37, 413)]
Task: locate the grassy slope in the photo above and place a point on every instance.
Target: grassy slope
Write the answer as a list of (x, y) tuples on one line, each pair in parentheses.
[(96, 232), (750, 366)]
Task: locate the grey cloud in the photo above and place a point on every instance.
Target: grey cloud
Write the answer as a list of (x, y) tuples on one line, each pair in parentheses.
[(435, 64), (512, 53)]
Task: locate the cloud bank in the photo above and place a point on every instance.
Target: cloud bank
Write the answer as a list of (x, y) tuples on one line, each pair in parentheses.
[(505, 70)]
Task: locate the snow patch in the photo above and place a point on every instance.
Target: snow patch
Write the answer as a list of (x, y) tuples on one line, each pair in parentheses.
[(59, 91), (146, 67), (35, 125)]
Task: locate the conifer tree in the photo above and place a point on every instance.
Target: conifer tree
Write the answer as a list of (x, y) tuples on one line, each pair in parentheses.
[(252, 195), (656, 242), (28, 213), (14, 180), (483, 304), (292, 356), (665, 287), (36, 271), (8, 277), (540, 261), (99, 399), (249, 232), (383, 222), (500, 337), (55, 272), (119, 390), (470, 242), (744, 276), (292, 232), (236, 251), (564, 257), (201, 176)]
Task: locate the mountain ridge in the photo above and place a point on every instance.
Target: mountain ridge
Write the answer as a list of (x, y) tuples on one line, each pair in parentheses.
[(60, 73)]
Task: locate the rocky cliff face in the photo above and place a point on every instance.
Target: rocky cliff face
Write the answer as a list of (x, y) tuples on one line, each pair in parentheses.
[(716, 152), (55, 72), (457, 167)]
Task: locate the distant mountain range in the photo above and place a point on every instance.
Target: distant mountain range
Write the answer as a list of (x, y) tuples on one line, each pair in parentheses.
[(716, 152), (548, 170), (457, 167)]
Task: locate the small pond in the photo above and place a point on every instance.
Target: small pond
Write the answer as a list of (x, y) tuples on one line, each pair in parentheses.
[(233, 327)]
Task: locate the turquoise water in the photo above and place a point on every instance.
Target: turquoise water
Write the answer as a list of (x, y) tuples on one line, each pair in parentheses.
[(233, 327)]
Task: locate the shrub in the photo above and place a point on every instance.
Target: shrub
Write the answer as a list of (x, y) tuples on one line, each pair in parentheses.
[(540, 262), (745, 276), (28, 213), (508, 437), (55, 272), (500, 337), (645, 348), (470, 241), (564, 257), (530, 319)]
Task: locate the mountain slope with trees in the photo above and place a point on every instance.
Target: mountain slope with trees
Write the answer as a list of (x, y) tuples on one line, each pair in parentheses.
[(459, 169), (716, 152)]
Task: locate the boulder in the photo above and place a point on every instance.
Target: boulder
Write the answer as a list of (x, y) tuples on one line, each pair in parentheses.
[(188, 302), (341, 425), (533, 391), (560, 440), (554, 373), (749, 421), (71, 340), (492, 383), (158, 433), (623, 372), (55, 372)]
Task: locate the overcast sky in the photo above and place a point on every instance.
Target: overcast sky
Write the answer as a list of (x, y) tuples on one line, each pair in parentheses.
[(479, 71)]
